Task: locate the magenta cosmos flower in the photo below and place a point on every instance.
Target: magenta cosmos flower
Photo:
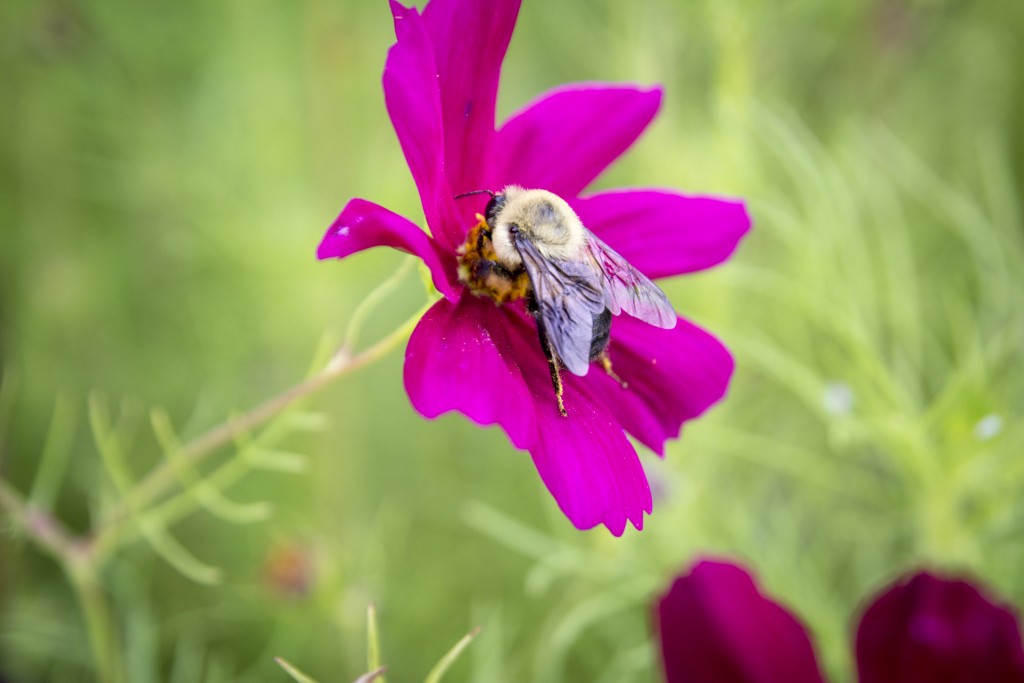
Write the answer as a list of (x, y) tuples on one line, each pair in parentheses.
[(469, 354), (717, 627)]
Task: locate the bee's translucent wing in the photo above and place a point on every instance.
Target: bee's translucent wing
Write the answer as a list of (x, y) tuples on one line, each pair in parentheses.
[(569, 296), (627, 289)]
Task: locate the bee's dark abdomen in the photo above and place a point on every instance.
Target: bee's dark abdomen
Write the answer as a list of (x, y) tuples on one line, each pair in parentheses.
[(599, 338)]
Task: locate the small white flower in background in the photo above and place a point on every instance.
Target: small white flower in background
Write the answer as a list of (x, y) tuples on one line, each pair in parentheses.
[(988, 427), (838, 398)]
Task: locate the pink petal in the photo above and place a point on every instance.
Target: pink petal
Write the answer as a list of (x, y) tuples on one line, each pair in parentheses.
[(470, 39), (664, 233), (925, 628), (584, 459), (460, 357), (362, 225), (563, 140), (413, 98), (672, 376), (588, 464), (717, 627)]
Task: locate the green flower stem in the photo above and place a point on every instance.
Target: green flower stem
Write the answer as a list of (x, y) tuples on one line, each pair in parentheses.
[(103, 634), (165, 476), (373, 642), (82, 557), (42, 527), (47, 532), (373, 299)]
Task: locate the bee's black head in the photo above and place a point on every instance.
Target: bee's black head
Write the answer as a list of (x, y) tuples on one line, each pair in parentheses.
[(494, 207)]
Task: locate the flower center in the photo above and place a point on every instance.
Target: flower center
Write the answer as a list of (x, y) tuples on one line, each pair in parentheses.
[(480, 270)]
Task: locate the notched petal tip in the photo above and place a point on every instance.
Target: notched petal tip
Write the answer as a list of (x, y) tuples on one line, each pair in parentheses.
[(584, 458), (586, 462)]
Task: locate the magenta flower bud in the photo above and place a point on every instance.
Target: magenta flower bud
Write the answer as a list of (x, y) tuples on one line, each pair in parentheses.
[(717, 627), (927, 629)]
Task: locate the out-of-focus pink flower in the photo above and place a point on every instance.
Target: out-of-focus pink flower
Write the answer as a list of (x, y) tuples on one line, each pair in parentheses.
[(483, 360), (715, 626), (932, 630)]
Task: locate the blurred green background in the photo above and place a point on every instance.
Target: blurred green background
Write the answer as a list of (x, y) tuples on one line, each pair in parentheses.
[(166, 171)]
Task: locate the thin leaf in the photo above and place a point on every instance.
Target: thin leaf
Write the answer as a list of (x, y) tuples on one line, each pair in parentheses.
[(176, 554), (8, 390), (278, 461), (180, 506), (187, 664), (372, 675), (488, 658), (209, 496), (305, 421), (107, 443), (54, 460), (372, 300), (575, 622), (372, 639), (325, 348), (442, 666), (293, 671), (151, 526), (628, 665)]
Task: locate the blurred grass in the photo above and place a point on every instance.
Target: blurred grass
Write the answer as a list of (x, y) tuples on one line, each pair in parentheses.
[(165, 175)]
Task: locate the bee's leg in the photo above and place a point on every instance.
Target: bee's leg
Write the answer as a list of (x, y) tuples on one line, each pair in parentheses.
[(606, 363), (556, 377), (545, 345), (599, 344), (556, 380)]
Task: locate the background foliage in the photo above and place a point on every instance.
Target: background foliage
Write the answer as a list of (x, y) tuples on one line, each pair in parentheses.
[(167, 170)]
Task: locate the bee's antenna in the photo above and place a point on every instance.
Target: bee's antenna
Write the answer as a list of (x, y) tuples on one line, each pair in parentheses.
[(472, 192)]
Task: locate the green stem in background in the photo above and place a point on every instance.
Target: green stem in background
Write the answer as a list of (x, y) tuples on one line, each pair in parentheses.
[(42, 527), (297, 674), (56, 453), (384, 289), (449, 658), (373, 642), (82, 557), (8, 389), (98, 619), (165, 476), (53, 538)]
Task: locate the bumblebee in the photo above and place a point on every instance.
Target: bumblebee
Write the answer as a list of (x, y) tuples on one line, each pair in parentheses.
[(531, 244)]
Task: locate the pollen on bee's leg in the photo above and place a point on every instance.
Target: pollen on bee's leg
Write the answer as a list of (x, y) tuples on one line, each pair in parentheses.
[(556, 380), (606, 363)]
